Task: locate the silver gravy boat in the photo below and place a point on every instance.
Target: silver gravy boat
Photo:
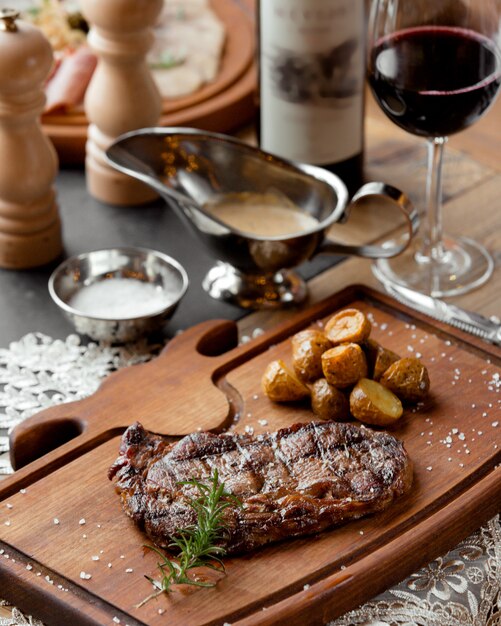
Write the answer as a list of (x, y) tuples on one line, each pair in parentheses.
[(191, 168)]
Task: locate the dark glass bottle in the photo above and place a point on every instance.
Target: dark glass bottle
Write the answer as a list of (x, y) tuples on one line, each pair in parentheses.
[(311, 83)]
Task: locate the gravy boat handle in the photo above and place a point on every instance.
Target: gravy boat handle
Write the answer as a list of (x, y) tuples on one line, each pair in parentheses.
[(389, 248)]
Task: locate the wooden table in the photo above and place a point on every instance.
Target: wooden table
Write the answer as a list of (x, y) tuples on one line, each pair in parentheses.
[(472, 193), (472, 202)]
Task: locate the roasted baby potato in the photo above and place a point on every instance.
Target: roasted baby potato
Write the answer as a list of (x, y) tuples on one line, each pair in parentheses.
[(348, 326), (408, 379), (307, 349), (280, 383), (328, 402), (379, 358), (372, 403), (344, 365)]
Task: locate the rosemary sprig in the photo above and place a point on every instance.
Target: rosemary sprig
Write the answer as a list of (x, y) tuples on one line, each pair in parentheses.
[(197, 545)]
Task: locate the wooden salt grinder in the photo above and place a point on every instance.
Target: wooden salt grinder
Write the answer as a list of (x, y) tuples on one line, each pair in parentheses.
[(30, 228), (122, 95)]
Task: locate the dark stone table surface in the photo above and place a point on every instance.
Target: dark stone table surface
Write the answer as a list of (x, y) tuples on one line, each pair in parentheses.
[(25, 304)]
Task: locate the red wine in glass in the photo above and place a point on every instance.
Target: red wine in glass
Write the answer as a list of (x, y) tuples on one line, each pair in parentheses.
[(435, 81), (434, 72)]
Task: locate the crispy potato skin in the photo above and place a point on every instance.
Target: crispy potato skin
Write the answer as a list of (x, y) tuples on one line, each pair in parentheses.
[(280, 383), (307, 349), (344, 365), (379, 358), (348, 326), (327, 363), (372, 403), (408, 379), (328, 402)]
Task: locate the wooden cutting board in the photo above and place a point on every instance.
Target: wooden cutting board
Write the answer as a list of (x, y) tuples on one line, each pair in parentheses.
[(60, 516)]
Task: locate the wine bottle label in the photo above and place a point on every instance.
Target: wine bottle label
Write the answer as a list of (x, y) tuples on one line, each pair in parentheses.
[(311, 79)]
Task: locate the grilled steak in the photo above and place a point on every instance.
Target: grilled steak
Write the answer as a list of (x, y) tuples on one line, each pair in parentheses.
[(292, 482)]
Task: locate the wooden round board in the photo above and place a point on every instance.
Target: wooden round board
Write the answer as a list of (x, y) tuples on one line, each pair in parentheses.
[(222, 105)]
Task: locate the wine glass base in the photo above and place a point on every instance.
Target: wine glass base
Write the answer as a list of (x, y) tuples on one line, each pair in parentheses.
[(269, 291), (465, 265)]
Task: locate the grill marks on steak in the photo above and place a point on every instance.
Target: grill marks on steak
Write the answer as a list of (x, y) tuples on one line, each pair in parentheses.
[(293, 482)]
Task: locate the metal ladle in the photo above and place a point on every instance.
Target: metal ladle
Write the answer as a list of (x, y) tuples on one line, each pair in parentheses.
[(191, 168)]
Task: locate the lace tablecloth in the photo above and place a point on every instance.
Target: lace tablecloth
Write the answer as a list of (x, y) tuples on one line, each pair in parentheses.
[(461, 588)]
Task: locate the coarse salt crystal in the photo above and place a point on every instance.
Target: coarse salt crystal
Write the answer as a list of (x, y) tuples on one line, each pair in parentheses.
[(306, 587), (85, 576), (9, 505), (82, 521), (116, 620), (495, 424), (429, 468), (22, 491), (129, 570), (29, 567), (56, 521), (263, 422), (121, 298), (95, 558)]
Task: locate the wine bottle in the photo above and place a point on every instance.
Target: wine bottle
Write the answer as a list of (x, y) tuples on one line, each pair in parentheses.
[(311, 83)]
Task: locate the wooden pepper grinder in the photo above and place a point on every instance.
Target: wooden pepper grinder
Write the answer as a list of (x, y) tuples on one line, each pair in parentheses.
[(30, 228), (122, 95)]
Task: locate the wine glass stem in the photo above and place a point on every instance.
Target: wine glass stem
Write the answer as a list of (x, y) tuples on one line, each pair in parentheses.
[(433, 250)]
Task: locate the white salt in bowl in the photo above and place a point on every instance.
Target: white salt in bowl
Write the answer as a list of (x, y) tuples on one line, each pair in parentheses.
[(118, 294)]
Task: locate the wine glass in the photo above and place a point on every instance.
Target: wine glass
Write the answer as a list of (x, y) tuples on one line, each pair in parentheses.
[(435, 68)]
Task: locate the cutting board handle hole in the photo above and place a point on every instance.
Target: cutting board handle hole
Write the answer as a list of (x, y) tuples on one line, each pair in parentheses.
[(39, 439), (218, 340)]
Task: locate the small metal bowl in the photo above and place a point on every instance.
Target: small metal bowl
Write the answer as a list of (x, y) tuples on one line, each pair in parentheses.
[(77, 273)]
